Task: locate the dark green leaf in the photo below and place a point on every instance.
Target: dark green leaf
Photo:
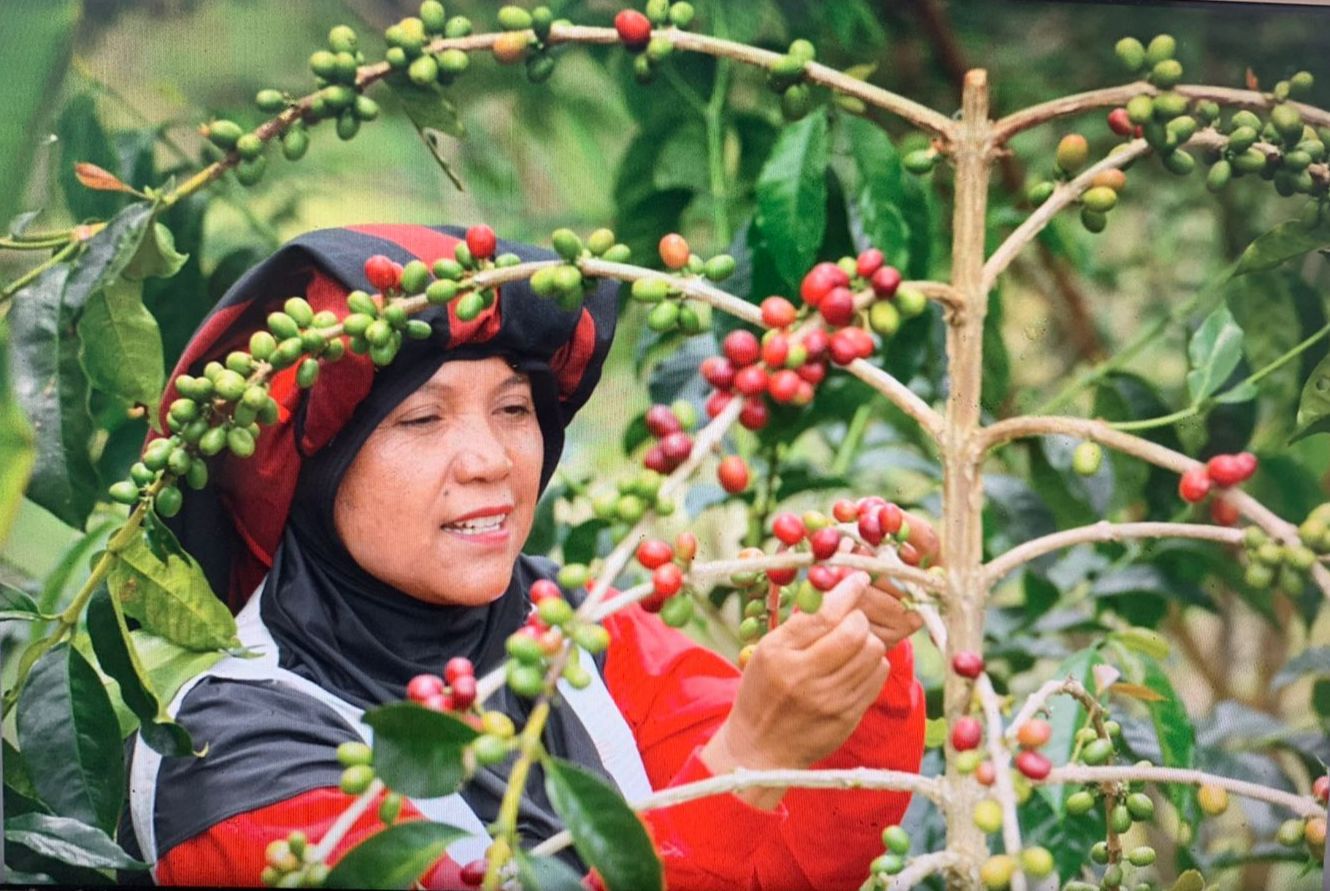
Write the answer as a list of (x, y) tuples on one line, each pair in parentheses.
[(580, 545), (1214, 352), (34, 43), (418, 751), (69, 841), (70, 740), (1283, 242), (544, 531), (546, 874), (880, 189), (156, 257), (122, 347), (792, 196), (118, 659), (1177, 738), (20, 794), (606, 832), (395, 857), (171, 598), (1066, 715), (83, 139), (18, 449), (1314, 404)]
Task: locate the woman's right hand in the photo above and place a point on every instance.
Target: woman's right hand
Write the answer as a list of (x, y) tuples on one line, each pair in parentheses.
[(804, 690)]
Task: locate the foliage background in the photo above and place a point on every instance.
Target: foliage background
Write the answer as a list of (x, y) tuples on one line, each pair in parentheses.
[(591, 147)]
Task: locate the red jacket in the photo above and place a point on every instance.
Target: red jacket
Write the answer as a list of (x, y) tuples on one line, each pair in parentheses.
[(674, 694)]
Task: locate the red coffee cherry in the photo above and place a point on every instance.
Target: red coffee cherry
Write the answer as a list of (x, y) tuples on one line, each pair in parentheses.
[(541, 590), (677, 447), (909, 554), (815, 344), (775, 350), (1194, 484), (777, 312), (823, 577), (1034, 733), (985, 774), (635, 32), (1321, 789), (837, 307), (741, 348), (733, 474), (812, 372), (1119, 122), (464, 692), (782, 576), (869, 262), (423, 686), (717, 371), (481, 241), (755, 414), (784, 386), (890, 517), (1033, 764), (716, 402), (1224, 512), (845, 511), (825, 542), (966, 734), (844, 347), (751, 381), (1246, 465), (655, 458), (673, 248), (685, 546), (885, 282), (1223, 470), (666, 580), (820, 280), (473, 874), (460, 666), (788, 528), (383, 273), (967, 664), (661, 421), (870, 530), (653, 552)]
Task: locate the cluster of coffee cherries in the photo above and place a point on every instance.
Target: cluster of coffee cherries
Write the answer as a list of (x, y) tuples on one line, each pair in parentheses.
[(565, 283), (787, 76), (551, 623), (668, 566), (1315, 530), (408, 46), (526, 39), (631, 499), (453, 691), (290, 862), (830, 288), (669, 425), (1270, 563), (669, 310), (1310, 830), (634, 29), (1101, 197), (1221, 472)]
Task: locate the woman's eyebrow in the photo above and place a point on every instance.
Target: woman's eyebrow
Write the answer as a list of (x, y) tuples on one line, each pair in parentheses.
[(439, 387)]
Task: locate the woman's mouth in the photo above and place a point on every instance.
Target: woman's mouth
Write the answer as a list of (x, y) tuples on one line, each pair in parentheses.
[(484, 529)]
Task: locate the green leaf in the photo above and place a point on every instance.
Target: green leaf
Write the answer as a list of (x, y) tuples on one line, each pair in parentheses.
[(606, 832), (156, 256), (1283, 242), (18, 449), (1177, 737), (169, 666), (34, 43), (880, 189), (1314, 404), (417, 751), (14, 604), (70, 740), (1214, 351), (122, 347), (49, 379), (434, 116), (171, 598), (82, 138), (545, 873), (117, 657), (792, 196), (68, 840), (1066, 716), (1246, 391), (395, 857)]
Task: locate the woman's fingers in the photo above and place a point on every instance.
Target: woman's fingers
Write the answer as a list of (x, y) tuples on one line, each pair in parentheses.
[(802, 629)]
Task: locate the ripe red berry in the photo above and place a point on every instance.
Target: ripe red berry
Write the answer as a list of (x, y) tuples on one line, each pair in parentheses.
[(1119, 122), (812, 372), (845, 511), (635, 31), (685, 546), (820, 280), (473, 874), (825, 542), (383, 273), (423, 686), (869, 262), (966, 734), (844, 347), (677, 447), (1223, 470), (1246, 465), (460, 666), (464, 692), (666, 580), (716, 402), (823, 577), (777, 312), (775, 350), (655, 458), (815, 344), (784, 386), (885, 282), (717, 371), (755, 414), (1034, 733), (481, 241), (1194, 484), (837, 307), (782, 576), (985, 774), (890, 518), (788, 528), (803, 393), (870, 530), (862, 341), (661, 421), (653, 552), (751, 381), (1224, 512), (967, 664), (541, 590), (1033, 764), (1321, 789), (673, 248), (733, 474), (741, 348)]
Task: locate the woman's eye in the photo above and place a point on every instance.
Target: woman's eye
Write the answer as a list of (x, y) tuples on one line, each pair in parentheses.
[(420, 421), (517, 410)]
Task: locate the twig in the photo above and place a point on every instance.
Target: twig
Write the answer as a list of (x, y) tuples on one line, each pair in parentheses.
[(1103, 530), (1001, 758), (1036, 700), (1302, 805), (345, 820)]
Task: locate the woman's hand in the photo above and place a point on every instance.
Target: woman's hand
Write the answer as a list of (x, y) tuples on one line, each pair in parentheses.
[(804, 690)]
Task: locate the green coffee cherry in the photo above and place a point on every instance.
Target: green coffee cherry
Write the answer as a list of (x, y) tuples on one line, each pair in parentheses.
[(677, 611), (1288, 121), (1179, 162), (987, 815), (1097, 752), (250, 171), (650, 290), (1167, 106), (567, 244), (224, 134), (1166, 73), (307, 374), (1131, 53), (141, 475), (663, 317), (1120, 818), (1162, 47), (1219, 176), (682, 13), (1080, 803), (796, 101), (1140, 109), (124, 492), (1093, 220), (240, 441), (911, 301), (1040, 192), (920, 161), (168, 501), (1101, 199), (1140, 806), (573, 575), (1087, 458), (1141, 856), (719, 267), (1291, 832), (354, 753), (357, 779)]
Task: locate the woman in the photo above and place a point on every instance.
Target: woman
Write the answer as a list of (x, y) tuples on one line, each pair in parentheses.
[(379, 529)]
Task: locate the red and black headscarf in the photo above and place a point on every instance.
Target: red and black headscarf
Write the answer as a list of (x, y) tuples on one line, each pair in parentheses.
[(234, 526)]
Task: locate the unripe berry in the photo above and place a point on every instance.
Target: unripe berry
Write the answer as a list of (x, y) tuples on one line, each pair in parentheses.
[(1321, 789), (1034, 733), (987, 815), (1080, 803), (1087, 458), (997, 871), (1037, 862), (1072, 152), (1212, 799), (674, 251)]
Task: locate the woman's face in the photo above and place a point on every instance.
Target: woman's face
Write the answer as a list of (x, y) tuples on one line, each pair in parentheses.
[(440, 498)]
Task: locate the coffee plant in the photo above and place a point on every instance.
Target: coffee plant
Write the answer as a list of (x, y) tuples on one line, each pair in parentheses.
[(789, 390)]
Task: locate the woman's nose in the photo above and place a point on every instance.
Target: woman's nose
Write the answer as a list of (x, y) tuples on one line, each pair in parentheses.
[(482, 456)]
